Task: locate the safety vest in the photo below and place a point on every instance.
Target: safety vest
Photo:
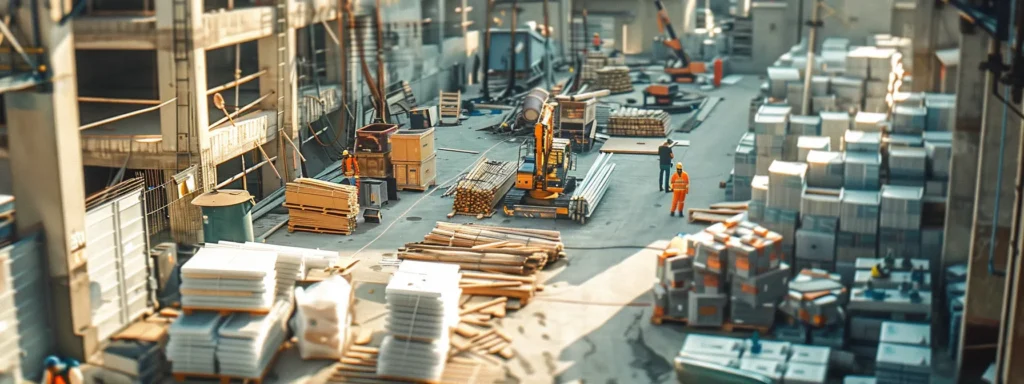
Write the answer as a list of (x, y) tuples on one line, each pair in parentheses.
[(60, 378), (351, 166), (681, 182), (597, 40)]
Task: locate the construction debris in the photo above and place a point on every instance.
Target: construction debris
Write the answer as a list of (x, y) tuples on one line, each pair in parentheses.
[(483, 187), (320, 206), (639, 122), (615, 79)]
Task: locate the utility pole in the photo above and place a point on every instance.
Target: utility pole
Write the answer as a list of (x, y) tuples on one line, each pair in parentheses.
[(485, 87), (813, 24), (547, 47)]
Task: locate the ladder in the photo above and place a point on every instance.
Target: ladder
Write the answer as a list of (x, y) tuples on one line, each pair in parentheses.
[(283, 127), (449, 107), (184, 111)]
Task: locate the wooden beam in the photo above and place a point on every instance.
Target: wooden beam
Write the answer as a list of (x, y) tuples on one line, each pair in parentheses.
[(126, 115)]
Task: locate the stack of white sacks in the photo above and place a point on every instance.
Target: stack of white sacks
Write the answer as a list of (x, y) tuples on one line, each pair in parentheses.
[(423, 305)]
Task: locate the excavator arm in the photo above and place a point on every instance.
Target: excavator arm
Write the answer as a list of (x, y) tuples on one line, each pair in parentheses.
[(672, 40)]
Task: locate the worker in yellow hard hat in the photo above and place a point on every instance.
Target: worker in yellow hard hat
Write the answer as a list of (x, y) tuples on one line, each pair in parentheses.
[(597, 42), (350, 167), (680, 187)]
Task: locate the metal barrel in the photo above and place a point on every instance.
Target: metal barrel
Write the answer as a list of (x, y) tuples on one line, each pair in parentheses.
[(533, 105)]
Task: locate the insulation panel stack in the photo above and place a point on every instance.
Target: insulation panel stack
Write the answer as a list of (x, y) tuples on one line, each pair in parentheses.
[(423, 304), (484, 186), (806, 144), (745, 167), (758, 198), (834, 126), (825, 169), (900, 221), (226, 279), (770, 132), (248, 343), (290, 266), (908, 166), (799, 126), (321, 206), (615, 79), (819, 223), (862, 170), (939, 152), (192, 347), (639, 123)]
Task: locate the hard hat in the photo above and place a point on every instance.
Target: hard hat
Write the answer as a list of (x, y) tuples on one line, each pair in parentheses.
[(51, 361), (596, 34), (679, 165), (344, 153)]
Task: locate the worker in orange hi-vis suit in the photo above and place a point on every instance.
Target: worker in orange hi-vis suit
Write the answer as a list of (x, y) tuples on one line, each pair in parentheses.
[(680, 187), (351, 168), (597, 42)]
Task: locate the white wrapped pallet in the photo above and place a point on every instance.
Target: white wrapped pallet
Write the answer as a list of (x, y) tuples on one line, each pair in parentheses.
[(869, 122), (909, 120), (775, 109), (825, 169), (801, 125), (771, 124), (322, 318), (192, 343), (758, 198), (908, 163), (806, 144), (861, 141), (779, 78), (785, 184), (860, 212), (834, 126), (862, 170), (229, 279), (858, 62), (901, 207)]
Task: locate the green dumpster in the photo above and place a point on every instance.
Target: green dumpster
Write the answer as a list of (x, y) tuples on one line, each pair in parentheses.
[(227, 215)]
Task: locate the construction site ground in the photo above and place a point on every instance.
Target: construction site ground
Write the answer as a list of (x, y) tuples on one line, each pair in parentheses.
[(592, 322)]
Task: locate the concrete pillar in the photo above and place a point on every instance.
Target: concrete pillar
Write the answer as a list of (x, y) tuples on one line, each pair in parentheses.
[(191, 111), (47, 175), (963, 178)]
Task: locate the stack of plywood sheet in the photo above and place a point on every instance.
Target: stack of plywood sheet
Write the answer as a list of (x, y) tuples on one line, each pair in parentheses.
[(487, 248), (321, 206), (615, 79), (483, 187), (639, 122), (225, 279)]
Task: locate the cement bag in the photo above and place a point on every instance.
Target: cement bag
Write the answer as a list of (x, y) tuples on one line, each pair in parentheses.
[(321, 321)]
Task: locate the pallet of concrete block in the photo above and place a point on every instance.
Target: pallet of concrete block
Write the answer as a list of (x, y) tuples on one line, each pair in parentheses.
[(834, 126), (870, 62), (615, 79), (227, 280), (815, 298), (483, 187), (637, 122), (321, 206), (593, 62)]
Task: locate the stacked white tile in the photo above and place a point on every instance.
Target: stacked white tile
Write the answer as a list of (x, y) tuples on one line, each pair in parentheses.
[(289, 268), (869, 122), (248, 343), (786, 184), (858, 62), (834, 126), (770, 138), (903, 364), (908, 163), (778, 80), (229, 279), (821, 202), (859, 212), (862, 141), (806, 144), (825, 169), (192, 343), (758, 198), (901, 207), (909, 120), (423, 304), (819, 86), (939, 154)]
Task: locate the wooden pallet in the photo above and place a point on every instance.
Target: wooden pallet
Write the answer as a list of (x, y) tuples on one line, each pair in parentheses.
[(479, 216), (418, 188), (303, 228), (449, 107), (183, 377), (322, 210), (224, 311)]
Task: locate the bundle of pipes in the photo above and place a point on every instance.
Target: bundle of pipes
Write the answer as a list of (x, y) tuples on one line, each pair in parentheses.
[(590, 191), (480, 191), (471, 235), (614, 79), (639, 122)]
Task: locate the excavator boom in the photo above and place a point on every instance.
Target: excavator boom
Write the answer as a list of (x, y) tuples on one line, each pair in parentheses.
[(672, 40)]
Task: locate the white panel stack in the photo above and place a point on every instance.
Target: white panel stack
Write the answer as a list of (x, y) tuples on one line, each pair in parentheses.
[(862, 141), (862, 170), (821, 202), (849, 92), (192, 343), (860, 212), (248, 343), (291, 265), (229, 279), (901, 207), (825, 169), (758, 198), (785, 185), (939, 153), (834, 126), (869, 122), (908, 164), (770, 138), (806, 144), (909, 120), (423, 304), (941, 112), (858, 62), (819, 86), (779, 78), (745, 167)]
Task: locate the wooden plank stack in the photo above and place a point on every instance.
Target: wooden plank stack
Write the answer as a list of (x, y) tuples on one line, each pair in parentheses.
[(639, 123), (321, 206), (483, 187), (488, 248), (615, 79), (518, 290), (594, 61)]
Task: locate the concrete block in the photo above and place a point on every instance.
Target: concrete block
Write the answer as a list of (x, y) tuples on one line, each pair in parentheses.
[(817, 246), (769, 287), (707, 310)]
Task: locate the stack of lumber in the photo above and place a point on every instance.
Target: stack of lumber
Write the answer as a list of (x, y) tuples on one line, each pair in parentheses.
[(473, 235), (615, 79), (639, 122), (594, 61), (360, 366), (321, 206), (517, 290), (717, 213), (483, 187)]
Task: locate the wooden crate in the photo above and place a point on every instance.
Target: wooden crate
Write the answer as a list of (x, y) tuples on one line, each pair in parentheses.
[(416, 175), (413, 145), (373, 164)]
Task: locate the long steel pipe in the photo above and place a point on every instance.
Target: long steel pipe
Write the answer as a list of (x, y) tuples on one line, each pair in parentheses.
[(584, 96), (533, 104)]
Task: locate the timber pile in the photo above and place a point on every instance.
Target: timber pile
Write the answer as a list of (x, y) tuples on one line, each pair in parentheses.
[(638, 123), (717, 213), (472, 235), (488, 248), (483, 187), (615, 79), (321, 206), (518, 290)]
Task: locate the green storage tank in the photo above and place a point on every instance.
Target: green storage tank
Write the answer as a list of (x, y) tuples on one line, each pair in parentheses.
[(227, 215)]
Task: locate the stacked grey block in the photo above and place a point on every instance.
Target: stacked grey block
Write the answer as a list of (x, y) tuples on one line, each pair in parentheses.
[(799, 126), (939, 151), (869, 122), (745, 168), (708, 300), (869, 309), (849, 92), (757, 285), (862, 170), (900, 221), (908, 166), (909, 120), (785, 188), (834, 126), (825, 169), (247, 343), (675, 283), (806, 144), (770, 131), (819, 223), (779, 79), (758, 198), (903, 364), (941, 112)]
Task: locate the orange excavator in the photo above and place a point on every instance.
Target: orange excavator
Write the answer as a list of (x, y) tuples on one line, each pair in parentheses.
[(680, 67)]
